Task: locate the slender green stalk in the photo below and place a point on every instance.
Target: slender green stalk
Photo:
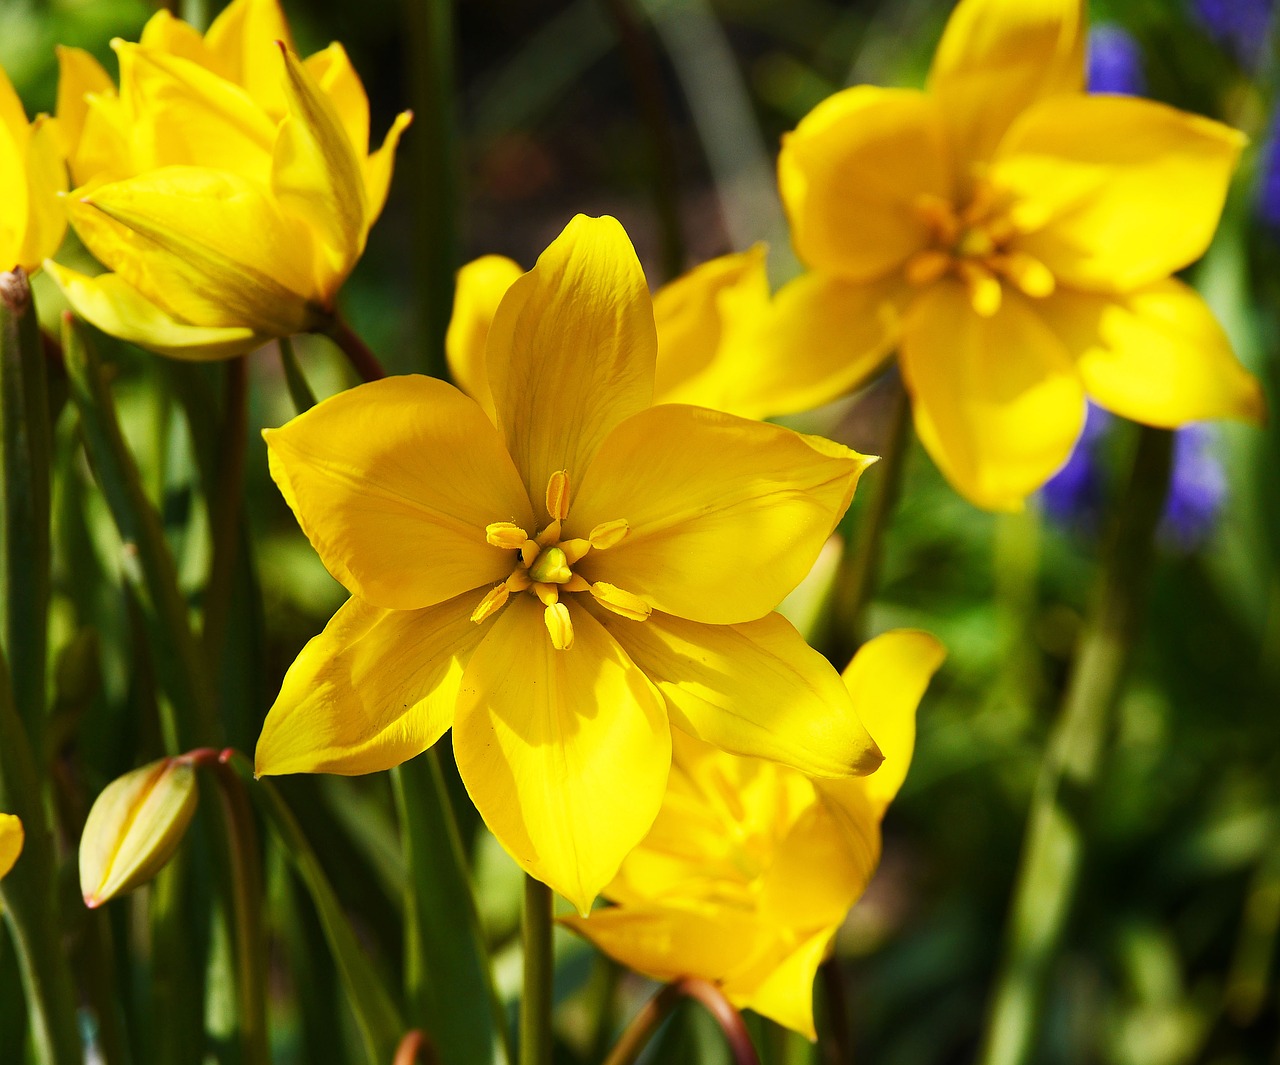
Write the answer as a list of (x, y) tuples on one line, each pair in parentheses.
[(358, 353), (646, 1023), (602, 998), (1054, 845), (539, 970), (837, 1039), (299, 391), (433, 160), (225, 508), (855, 582), (25, 448), (442, 928), (646, 82)]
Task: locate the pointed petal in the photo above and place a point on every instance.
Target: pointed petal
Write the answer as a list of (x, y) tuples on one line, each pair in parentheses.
[(167, 34), (814, 875), (115, 307), (337, 78), (1123, 191), (481, 284), (46, 178), (572, 350), (997, 401), (376, 688), (11, 840), (378, 167), (565, 753), (15, 195), (13, 117), (104, 152), (756, 689), (999, 57), (852, 173), (242, 40), (79, 74), (725, 515), (394, 483), (1156, 355), (209, 247), (784, 991), (316, 176)]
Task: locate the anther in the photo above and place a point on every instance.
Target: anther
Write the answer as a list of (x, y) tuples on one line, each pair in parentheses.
[(549, 594), (558, 495), (494, 600), (926, 267), (609, 534), (620, 602), (983, 285), (1027, 272), (559, 625), (505, 534)]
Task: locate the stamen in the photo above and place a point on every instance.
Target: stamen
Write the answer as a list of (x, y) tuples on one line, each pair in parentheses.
[(558, 495), (983, 285), (548, 593), (1027, 272), (620, 602), (505, 534), (980, 205), (519, 581), (609, 534), (494, 600), (551, 567), (559, 625), (576, 583), (925, 267), (549, 535), (937, 214), (528, 552), (574, 549)]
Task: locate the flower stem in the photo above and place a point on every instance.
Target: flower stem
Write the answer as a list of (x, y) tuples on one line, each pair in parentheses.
[(362, 359), (1053, 847), (414, 1049), (224, 510), (647, 1022), (539, 970), (299, 391)]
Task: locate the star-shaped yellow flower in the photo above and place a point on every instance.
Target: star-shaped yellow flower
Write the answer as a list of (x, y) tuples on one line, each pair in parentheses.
[(228, 186), (1014, 237), (11, 840), (562, 582), (751, 867), (32, 173)]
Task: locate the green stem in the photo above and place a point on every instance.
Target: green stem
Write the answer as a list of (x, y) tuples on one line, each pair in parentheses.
[(647, 1022), (434, 164), (299, 391), (855, 582), (539, 971), (25, 444), (646, 82), (837, 1047), (358, 353), (1053, 848), (225, 509)]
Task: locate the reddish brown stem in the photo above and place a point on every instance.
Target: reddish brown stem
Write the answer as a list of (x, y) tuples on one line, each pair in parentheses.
[(415, 1049), (362, 359), (657, 1009)]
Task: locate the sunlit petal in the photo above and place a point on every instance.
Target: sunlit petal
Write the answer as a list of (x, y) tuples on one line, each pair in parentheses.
[(11, 840), (243, 41), (480, 286)]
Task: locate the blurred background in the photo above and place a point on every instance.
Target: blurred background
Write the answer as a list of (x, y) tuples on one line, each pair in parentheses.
[(667, 114)]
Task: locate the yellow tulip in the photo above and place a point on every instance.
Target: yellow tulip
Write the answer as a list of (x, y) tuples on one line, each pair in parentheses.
[(561, 579), (32, 174), (751, 867), (11, 840), (227, 186), (1014, 238)]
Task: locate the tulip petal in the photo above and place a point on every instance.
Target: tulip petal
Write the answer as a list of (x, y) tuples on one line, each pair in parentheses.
[(337, 78), (814, 875), (376, 688), (1156, 355), (120, 310), (1121, 191), (782, 990), (209, 247), (13, 117), (481, 284), (79, 74), (718, 541), (11, 840), (998, 403), (999, 57), (169, 35), (15, 195), (564, 753), (46, 178), (378, 167), (394, 483), (755, 689), (851, 175), (571, 351), (242, 40), (317, 177)]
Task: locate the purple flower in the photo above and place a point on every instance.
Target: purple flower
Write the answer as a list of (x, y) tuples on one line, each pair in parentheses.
[(1197, 488), (1269, 182), (1073, 496), (1115, 62), (1243, 26)]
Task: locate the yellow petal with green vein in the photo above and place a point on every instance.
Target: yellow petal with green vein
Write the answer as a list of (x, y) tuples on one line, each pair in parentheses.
[(375, 689), (338, 80), (564, 753)]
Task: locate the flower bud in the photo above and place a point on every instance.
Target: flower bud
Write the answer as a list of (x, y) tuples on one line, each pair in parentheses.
[(11, 838), (134, 827)]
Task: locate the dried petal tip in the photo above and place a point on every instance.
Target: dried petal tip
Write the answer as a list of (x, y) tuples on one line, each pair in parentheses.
[(134, 827)]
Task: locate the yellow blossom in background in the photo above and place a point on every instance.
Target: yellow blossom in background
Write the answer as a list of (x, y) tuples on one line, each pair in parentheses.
[(32, 174), (1014, 237), (703, 319), (751, 867), (227, 186), (11, 840), (562, 580)]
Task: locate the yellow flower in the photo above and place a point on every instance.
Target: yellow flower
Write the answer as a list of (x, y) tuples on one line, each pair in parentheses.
[(11, 840), (703, 318), (1014, 238), (563, 580), (751, 867), (32, 173), (227, 186)]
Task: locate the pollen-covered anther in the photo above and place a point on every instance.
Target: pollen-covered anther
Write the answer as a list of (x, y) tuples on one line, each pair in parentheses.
[(609, 534), (621, 602), (549, 594), (983, 286), (1027, 273), (558, 495), (559, 625), (506, 534), (494, 600)]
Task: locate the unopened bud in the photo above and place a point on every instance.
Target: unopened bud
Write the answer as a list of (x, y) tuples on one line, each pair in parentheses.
[(134, 827)]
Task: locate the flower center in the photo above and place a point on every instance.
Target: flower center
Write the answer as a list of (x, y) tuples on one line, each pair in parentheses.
[(975, 243), (543, 566)]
